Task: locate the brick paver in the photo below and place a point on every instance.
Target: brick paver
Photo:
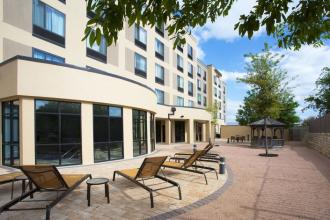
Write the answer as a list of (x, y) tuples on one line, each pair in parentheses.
[(295, 185), (127, 200)]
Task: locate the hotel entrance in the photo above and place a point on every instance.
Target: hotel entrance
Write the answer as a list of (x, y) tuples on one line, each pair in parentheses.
[(180, 131), (160, 131), (198, 132)]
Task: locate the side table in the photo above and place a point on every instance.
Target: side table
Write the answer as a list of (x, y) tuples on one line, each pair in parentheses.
[(97, 181)]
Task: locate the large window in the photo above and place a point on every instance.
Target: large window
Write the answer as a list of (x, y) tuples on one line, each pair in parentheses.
[(199, 99), (190, 70), (179, 101), (42, 55), (199, 71), (190, 52), (140, 141), (159, 74), (160, 29), (180, 83), (159, 49), (160, 96), (199, 87), (108, 133), (204, 101), (140, 65), (179, 62), (191, 103), (48, 23), (10, 133), (190, 88), (140, 37), (58, 132), (204, 88), (98, 52)]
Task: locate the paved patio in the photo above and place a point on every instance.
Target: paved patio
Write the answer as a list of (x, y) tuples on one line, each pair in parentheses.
[(295, 185), (127, 200)]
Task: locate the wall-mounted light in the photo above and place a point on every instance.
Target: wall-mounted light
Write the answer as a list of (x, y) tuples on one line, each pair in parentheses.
[(173, 109)]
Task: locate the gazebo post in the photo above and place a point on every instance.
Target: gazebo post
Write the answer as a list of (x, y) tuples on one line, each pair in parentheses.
[(265, 129)]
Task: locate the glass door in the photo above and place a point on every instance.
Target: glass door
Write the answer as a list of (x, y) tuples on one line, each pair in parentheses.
[(10, 133), (179, 131)]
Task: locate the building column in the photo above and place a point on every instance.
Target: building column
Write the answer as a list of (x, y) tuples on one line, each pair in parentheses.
[(26, 131), (168, 131), (191, 131), (208, 131), (128, 133), (87, 142), (1, 131), (148, 132)]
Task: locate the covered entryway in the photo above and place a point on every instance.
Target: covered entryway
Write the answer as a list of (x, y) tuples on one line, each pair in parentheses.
[(160, 131), (179, 131), (198, 131)]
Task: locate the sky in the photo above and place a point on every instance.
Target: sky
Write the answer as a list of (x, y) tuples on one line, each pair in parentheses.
[(219, 44)]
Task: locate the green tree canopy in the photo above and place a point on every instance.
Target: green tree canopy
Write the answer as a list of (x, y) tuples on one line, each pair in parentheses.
[(321, 100), (269, 93), (292, 24)]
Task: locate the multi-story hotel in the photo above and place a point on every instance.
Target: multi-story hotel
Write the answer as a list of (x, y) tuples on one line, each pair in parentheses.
[(65, 102)]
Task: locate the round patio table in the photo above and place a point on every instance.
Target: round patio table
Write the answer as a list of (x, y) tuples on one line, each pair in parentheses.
[(97, 181)]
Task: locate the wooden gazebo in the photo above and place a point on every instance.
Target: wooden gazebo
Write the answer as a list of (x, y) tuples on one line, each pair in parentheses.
[(267, 129)]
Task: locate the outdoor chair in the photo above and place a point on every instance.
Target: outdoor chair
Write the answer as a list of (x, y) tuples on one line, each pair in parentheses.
[(46, 178), (148, 170), (189, 165), (13, 177), (206, 156)]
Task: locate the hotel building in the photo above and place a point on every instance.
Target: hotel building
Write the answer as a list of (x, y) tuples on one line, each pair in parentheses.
[(64, 102)]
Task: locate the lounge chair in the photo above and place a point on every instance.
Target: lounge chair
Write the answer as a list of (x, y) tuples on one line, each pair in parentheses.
[(46, 178), (189, 165), (149, 169), (11, 178), (207, 154)]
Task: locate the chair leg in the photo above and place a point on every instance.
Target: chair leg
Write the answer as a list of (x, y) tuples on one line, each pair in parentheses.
[(151, 199), (107, 192), (47, 213), (114, 176), (88, 195), (12, 189), (205, 178), (216, 173), (179, 189)]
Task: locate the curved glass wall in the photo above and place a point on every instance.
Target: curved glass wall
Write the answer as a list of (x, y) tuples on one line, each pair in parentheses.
[(58, 132), (108, 133)]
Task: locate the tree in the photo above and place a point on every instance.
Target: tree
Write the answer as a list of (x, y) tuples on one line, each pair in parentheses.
[(270, 94), (292, 24), (321, 100), (213, 110)]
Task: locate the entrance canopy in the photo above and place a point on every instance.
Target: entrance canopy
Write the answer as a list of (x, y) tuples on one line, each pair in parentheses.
[(267, 129)]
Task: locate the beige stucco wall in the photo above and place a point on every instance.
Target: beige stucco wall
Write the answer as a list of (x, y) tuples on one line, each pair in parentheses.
[(28, 80), (18, 13), (52, 81), (13, 48)]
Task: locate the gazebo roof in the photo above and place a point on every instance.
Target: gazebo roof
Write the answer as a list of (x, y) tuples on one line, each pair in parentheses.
[(269, 122)]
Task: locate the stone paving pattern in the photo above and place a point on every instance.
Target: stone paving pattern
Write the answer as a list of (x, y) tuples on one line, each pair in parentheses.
[(127, 200), (295, 185)]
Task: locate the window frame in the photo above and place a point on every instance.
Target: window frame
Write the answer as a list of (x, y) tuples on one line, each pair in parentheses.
[(178, 66), (137, 37), (157, 53), (139, 72), (35, 50), (43, 33)]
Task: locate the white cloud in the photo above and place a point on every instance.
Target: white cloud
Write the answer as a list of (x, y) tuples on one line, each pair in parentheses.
[(306, 65), (232, 107), (231, 75), (223, 27)]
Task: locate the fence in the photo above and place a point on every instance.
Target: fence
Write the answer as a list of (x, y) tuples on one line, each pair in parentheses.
[(320, 125)]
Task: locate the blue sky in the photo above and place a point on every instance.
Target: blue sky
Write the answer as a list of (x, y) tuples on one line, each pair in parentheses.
[(220, 45)]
